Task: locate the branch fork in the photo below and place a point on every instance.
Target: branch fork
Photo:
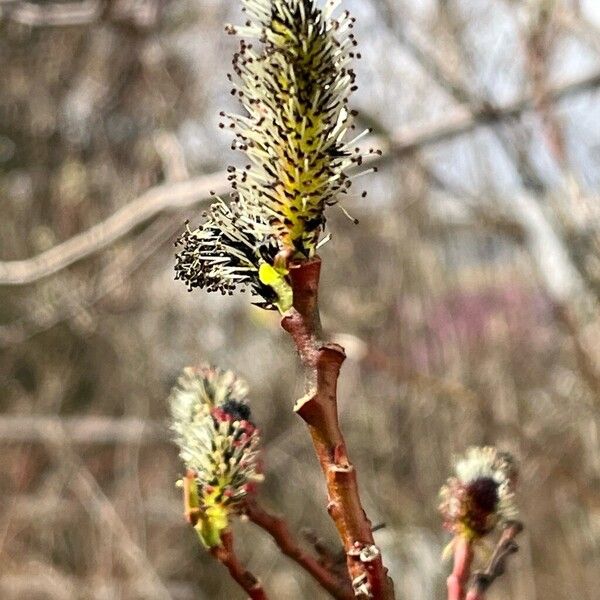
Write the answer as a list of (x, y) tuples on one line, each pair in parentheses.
[(276, 527), (482, 580)]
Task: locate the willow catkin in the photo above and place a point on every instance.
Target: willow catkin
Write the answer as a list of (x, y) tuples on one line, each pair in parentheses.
[(293, 78)]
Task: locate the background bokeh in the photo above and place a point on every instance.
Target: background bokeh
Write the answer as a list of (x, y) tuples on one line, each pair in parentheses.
[(467, 297)]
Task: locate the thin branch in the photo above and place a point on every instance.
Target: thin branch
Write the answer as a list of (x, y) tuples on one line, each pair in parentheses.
[(461, 571), (318, 408), (56, 511), (277, 528), (97, 504), (482, 580), (166, 197), (585, 361), (185, 194), (225, 554), (71, 301), (34, 580), (436, 69), (53, 13), (573, 23), (80, 430), (463, 120), (539, 40)]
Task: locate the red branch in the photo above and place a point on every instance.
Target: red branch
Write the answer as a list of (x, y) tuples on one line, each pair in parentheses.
[(458, 579), (226, 555), (506, 546), (278, 530), (318, 408)]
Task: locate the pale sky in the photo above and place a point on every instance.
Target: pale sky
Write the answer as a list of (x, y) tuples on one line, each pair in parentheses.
[(591, 9)]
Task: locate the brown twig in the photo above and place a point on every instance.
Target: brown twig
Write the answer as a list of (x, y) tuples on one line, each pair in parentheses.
[(226, 555), (277, 528), (333, 560), (506, 546), (55, 14), (132, 558), (318, 408), (463, 558)]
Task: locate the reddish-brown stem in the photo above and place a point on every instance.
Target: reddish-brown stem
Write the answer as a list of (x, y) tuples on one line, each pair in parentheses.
[(277, 528), (506, 546), (226, 555), (318, 408), (458, 579)]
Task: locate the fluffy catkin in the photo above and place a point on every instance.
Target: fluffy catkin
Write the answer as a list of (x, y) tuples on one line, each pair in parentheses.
[(218, 443), (293, 78)]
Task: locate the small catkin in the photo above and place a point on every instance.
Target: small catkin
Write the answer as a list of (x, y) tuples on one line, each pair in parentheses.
[(218, 443)]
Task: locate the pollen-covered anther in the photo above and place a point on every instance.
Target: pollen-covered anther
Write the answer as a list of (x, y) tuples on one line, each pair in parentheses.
[(223, 254)]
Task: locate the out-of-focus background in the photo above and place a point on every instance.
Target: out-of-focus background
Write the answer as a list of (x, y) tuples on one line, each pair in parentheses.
[(467, 298)]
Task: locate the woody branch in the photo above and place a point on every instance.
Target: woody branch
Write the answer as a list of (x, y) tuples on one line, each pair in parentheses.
[(318, 408), (225, 554), (277, 528)]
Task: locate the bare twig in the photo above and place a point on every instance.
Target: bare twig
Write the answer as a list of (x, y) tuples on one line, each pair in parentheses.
[(573, 23), (462, 119), (80, 430), (167, 197), (226, 555), (72, 301), (176, 196), (539, 39), (333, 559), (56, 511), (318, 408), (482, 580), (37, 581), (277, 528), (437, 70), (585, 361)]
